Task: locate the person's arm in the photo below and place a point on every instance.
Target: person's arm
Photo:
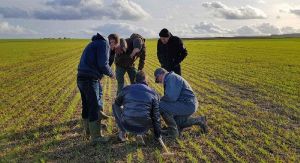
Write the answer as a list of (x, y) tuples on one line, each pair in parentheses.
[(142, 58), (155, 116), (182, 52), (111, 57), (159, 53), (173, 88), (103, 60), (120, 97)]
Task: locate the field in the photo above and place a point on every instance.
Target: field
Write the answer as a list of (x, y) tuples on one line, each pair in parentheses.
[(249, 89)]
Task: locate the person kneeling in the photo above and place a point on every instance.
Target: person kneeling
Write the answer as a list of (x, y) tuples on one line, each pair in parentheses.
[(136, 109), (178, 103)]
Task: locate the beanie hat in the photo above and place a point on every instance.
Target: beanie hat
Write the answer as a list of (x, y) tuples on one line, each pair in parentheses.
[(164, 33)]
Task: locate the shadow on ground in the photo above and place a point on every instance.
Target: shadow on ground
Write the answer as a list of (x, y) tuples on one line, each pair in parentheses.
[(64, 142)]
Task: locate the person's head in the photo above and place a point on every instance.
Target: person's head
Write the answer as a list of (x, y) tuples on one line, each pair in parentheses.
[(114, 40), (159, 75), (164, 35), (138, 42), (137, 45), (140, 77)]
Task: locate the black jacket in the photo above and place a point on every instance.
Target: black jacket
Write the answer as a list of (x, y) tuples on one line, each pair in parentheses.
[(140, 103), (171, 54)]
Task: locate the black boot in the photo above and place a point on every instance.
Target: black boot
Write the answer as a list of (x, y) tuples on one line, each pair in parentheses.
[(201, 121), (203, 124), (172, 126)]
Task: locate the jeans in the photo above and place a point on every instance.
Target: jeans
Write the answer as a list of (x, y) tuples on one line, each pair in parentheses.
[(120, 72), (91, 96), (181, 111)]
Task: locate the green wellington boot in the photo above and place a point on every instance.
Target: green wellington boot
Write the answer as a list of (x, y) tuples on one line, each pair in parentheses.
[(96, 132), (85, 125)]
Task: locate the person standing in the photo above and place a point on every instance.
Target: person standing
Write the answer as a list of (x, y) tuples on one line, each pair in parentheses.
[(126, 52), (94, 63), (170, 51)]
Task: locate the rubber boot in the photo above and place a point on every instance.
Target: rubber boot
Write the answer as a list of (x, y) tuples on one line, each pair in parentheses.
[(96, 132), (85, 125), (201, 121), (122, 136), (140, 140), (172, 131), (203, 124), (164, 130)]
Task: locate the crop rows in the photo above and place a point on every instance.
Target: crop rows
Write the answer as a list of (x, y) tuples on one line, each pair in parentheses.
[(248, 89)]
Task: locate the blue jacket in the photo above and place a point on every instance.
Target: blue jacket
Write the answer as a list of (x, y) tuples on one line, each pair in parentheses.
[(94, 62), (177, 88), (140, 106)]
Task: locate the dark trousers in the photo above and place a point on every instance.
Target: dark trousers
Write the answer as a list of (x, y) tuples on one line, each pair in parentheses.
[(91, 91), (176, 69), (120, 72)]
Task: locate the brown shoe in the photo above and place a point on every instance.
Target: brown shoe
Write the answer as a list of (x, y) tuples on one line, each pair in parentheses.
[(103, 116)]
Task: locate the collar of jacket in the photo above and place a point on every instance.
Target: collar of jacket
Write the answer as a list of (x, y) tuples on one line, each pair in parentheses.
[(165, 78), (170, 39), (143, 83)]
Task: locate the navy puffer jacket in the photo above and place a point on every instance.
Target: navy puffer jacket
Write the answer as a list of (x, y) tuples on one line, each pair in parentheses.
[(140, 105)]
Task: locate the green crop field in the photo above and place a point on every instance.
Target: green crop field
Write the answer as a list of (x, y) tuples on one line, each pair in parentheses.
[(249, 89)]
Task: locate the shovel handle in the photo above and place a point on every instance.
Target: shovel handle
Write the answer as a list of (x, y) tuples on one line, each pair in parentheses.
[(163, 145)]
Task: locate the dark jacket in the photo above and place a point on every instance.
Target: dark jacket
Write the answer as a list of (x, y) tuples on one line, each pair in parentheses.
[(124, 60), (141, 105), (111, 57), (171, 54), (95, 58)]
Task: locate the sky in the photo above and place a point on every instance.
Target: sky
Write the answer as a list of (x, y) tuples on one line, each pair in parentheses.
[(183, 18)]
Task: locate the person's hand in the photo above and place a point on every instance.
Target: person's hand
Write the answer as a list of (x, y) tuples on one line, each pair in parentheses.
[(113, 76), (118, 50), (134, 51)]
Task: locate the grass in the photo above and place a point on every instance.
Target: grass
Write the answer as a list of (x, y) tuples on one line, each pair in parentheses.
[(248, 89)]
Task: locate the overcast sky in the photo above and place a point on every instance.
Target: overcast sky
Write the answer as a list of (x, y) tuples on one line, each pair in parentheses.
[(184, 18)]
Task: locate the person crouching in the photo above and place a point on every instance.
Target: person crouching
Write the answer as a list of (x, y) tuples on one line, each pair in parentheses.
[(136, 109)]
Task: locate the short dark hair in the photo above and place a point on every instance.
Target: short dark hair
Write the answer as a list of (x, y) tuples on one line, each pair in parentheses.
[(140, 76), (115, 37)]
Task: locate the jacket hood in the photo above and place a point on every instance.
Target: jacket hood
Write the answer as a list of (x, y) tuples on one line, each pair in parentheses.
[(98, 37)]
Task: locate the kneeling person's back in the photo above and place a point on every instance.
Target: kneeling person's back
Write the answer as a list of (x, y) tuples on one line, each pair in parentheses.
[(138, 101), (136, 108)]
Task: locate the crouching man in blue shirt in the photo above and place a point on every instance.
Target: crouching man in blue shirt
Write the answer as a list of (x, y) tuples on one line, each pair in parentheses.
[(178, 103), (136, 109), (94, 63)]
